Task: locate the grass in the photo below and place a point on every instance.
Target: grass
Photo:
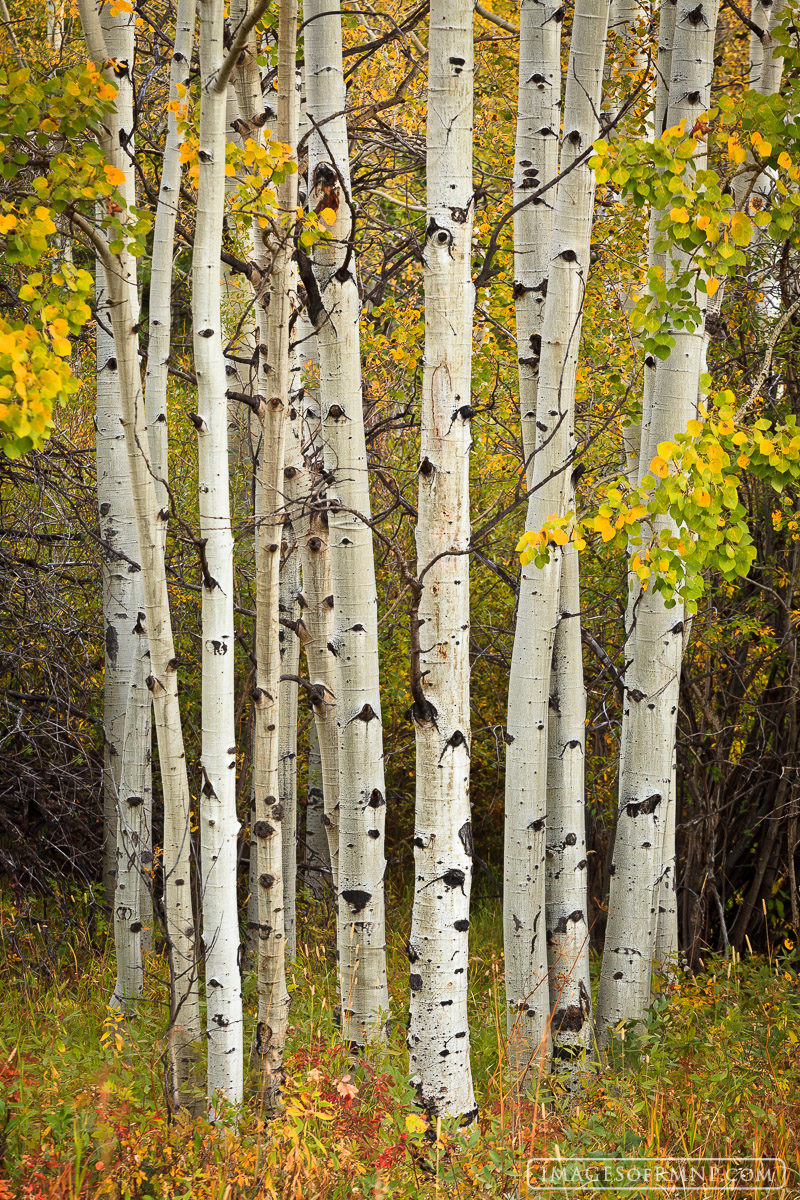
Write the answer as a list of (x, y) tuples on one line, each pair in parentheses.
[(82, 1110)]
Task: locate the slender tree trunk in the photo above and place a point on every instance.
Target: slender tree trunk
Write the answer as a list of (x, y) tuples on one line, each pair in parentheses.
[(122, 590), (135, 783), (185, 1030), (219, 826), (274, 386), (438, 1037), (316, 861), (287, 748), (535, 163), (538, 615), (652, 681), (335, 312), (159, 342), (315, 558), (567, 901)]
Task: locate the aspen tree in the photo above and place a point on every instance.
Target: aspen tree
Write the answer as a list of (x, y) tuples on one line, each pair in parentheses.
[(316, 863), (438, 1034), (334, 307), (219, 825), (135, 782), (540, 611), (122, 593), (293, 630), (274, 386), (185, 1030), (159, 342), (287, 741), (318, 604), (655, 646)]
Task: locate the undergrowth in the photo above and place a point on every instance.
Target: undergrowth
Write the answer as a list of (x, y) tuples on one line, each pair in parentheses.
[(82, 1092)]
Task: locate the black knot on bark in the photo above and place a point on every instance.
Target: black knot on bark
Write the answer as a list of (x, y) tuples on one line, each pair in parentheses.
[(415, 983), (645, 807), (206, 333), (426, 467), (376, 799), (357, 899), (262, 829), (367, 714), (266, 880)]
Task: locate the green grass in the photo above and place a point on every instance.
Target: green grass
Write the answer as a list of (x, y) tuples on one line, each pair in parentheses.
[(82, 1095)]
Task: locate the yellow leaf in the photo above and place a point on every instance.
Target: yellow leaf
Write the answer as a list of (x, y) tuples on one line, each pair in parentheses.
[(679, 215), (113, 174), (711, 286), (559, 536), (784, 160), (328, 216), (741, 229), (694, 428), (659, 467), (415, 1124)]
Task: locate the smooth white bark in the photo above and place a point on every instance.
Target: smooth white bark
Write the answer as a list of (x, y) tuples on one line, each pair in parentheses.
[(317, 575), (655, 646), (438, 1035), (219, 825), (287, 747), (122, 596), (274, 387), (135, 784), (527, 990), (361, 923), (316, 862)]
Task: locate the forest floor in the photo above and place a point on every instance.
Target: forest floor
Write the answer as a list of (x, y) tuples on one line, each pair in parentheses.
[(82, 1110)]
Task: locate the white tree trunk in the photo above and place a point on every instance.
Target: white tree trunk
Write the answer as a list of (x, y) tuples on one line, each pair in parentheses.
[(652, 681), (185, 1029), (274, 387), (438, 1036), (316, 861), (219, 825), (527, 992), (160, 302), (315, 560), (135, 784), (361, 924), (567, 898), (535, 163), (287, 748), (122, 592)]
